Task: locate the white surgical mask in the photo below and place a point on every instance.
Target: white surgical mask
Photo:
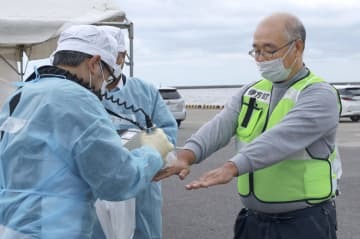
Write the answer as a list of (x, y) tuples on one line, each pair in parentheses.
[(274, 70), (103, 88), (90, 80), (117, 71)]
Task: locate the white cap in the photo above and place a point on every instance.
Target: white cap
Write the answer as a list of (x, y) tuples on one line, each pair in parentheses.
[(116, 33), (90, 40)]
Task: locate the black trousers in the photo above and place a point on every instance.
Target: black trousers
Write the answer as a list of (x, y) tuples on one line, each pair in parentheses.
[(317, 222)]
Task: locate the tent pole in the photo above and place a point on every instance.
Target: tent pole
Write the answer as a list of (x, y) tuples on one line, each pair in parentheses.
[(8, 63), (131, 48), (21, 59)]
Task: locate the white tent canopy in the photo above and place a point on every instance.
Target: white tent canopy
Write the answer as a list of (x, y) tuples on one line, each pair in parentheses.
[(32, 27)]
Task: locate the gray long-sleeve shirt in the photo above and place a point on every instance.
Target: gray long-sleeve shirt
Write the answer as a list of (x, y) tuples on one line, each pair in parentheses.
[(310, 124)]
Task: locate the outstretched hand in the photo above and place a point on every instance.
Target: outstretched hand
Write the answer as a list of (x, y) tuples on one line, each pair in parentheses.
[(180, 167), (221, 175), (177, 167)]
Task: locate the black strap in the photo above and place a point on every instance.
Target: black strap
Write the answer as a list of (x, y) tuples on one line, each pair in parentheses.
[(14, 102), (125, 118), (54, 71), (249, 111), (123, 78)]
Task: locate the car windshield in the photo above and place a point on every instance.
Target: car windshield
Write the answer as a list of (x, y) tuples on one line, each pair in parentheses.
[(169, 94)]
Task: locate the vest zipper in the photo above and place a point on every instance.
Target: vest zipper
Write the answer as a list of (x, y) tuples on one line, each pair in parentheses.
[(251, 183), (268, 112)]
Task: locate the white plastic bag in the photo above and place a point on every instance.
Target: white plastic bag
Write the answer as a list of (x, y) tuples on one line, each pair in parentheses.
[(117, 218)]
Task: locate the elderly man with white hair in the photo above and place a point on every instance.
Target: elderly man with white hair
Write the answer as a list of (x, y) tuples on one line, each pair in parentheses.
[(117, 218), (59, 151)]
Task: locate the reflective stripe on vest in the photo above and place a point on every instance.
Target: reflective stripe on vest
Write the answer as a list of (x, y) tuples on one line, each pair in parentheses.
[(298, 178)]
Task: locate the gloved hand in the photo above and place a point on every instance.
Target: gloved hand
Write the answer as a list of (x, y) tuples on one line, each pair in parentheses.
[(158, 140)]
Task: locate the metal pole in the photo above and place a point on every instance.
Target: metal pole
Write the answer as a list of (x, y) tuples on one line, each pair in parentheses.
[(131, 48), (21, 59)]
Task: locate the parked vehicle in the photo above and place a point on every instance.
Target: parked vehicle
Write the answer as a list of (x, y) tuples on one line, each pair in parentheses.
[(350, 100), (175, 102)]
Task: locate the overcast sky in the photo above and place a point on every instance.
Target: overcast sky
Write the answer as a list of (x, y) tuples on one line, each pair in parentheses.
[(205, 42)]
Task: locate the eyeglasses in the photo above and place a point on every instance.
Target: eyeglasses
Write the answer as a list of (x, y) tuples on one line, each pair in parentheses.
[(111, 77), (267, 54)]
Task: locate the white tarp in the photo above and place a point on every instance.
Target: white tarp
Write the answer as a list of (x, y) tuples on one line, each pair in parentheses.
[(6, 86), (32, 26)]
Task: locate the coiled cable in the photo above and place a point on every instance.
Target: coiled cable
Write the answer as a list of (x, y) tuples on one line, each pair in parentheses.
[(112, 99)]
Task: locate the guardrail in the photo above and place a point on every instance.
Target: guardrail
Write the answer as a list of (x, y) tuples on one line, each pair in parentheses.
[(240, 85), (219, 107), (204, 106)]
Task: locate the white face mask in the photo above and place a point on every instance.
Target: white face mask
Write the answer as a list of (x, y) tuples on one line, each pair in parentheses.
[(103, 88), (90, 80), (274, 70), (117, 71)]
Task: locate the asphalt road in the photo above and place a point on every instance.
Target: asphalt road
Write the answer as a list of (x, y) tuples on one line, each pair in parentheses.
[(210, 213)]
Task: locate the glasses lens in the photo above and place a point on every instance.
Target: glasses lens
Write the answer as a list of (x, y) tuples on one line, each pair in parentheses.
[(251, 53), (254, 53), (267, 54)]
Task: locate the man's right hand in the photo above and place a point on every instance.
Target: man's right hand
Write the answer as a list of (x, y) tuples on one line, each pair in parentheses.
[(180, 167)]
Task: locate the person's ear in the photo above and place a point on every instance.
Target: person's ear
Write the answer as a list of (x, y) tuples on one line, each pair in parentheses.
[(121, 58), (93, 64), (299, 44)]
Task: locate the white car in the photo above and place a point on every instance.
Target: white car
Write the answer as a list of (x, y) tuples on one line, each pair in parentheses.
[(350, 101), (175, 102)]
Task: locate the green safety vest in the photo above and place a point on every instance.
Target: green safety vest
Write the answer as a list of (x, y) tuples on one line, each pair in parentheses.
[(298, 178)]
